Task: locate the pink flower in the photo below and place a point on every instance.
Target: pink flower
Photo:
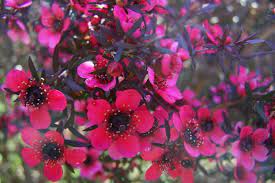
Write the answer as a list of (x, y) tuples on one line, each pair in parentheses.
[(18, 32), (244, 176), (80, 107), (210, 124), (54, 23), (36, 96), (216, 35), (243, 76), (250, 147), (189, 97), (119, 124), (51, 150), (18, 4), (128, 19), (91, 165), (172, 163), (165, 86), (96, 75), (196, 142)]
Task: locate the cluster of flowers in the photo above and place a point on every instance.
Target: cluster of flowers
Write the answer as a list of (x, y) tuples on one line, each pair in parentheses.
[(112, 68)]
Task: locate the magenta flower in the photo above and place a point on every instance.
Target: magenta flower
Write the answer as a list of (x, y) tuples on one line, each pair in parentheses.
[(210, 124), (250, 147), (119, 124), (36, 96), (196, 142), (18, 32), (242, 175), (18, 4), (50, 150), (128, 19), (96, 75), (165, 86), (91, 165), (54, 23), (171, 163)]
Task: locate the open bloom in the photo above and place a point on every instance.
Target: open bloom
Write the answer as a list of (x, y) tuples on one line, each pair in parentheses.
[(96, 75), (91, 165), (119, 124), (250, 147), (51, 151), (54, 23), (165, 86), (18, 4), (173, 163), (195, 141), (210, 124), (36, 96), (244, 176)]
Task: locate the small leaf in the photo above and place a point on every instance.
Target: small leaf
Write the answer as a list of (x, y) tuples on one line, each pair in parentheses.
[(70, 167), (167, 130), (248, 89), (136, 25), (33, 69), (93, 127), (75, 143), (255, 41), (260, 110), (118, 54), (159, 145)]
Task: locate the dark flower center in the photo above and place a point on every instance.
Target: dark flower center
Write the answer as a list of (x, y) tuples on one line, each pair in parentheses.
[(58, 25), (207, 125), (187, 163), (35, 96), (51, 151), (190, 137), (104, 78), (89, 160), (160, 82), (119, 122), (246, 144)]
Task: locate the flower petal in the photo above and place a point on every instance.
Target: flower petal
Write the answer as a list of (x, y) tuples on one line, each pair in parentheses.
[(127, 100), (114, 153), (31, 157), (260, 153), (15, 78), (30, 136), (186, 113), (99, 139), (53, 172), (247, 130), (236, 149), (194, 152), (75, 156), (55, 136), (207, 148), (56, 100), (177, 122), (84, 70), (247, 161), (98, 110), (153, 173), (143, 119), (260, 135), (40, 118), (128, 146), (203, 114)]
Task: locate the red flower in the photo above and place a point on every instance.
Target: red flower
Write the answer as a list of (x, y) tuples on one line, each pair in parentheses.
[(244, 176), (91, 165), (172, 163), (36, 96), (119, 124), (250, 147), (165, 86), (51, 150), (54, 24), (210, 124), (96, 74), (196, 142)]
